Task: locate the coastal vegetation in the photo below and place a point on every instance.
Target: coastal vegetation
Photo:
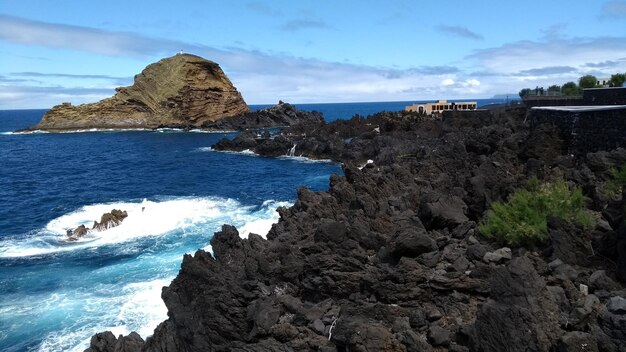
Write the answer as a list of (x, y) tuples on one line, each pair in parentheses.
[(615, 185), (522, 221), (573, 88)]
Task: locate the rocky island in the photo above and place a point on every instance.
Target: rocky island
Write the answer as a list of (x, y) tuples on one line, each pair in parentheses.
[(182, 91), (392, 257)]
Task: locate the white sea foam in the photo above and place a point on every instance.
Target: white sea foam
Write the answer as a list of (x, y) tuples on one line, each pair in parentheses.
[(306, 160), (243, 152), (123, 296), (25, 132), (249, 152), (195, 130), (137, 307), (156, 219), (264, 221)]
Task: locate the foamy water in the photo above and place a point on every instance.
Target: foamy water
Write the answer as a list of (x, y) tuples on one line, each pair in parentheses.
[(122, 295)]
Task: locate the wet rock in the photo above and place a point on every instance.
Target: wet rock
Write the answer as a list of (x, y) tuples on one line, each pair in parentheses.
[(77, 233), (106, 342), (110, 220)]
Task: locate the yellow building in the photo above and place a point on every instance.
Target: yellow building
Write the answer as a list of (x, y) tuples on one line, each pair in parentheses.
[(441, 106)]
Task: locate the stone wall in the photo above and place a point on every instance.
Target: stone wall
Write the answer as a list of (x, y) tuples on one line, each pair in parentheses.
[(605, 96), (531, 102), (586, 130)]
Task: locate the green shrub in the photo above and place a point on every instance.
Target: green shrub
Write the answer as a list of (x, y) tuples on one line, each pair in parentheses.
[(522, 220), (613, 187)]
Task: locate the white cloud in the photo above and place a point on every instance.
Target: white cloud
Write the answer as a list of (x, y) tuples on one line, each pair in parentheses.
[(447, 82), (471, 83), (267, 77), (261, 77), (530, 55)]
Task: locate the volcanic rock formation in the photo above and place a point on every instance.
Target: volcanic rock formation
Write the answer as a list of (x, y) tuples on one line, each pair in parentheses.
[(181, 91), (391, 259), (280, 115)]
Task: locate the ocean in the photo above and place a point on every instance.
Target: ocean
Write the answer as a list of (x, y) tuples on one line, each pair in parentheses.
[(55, 294)]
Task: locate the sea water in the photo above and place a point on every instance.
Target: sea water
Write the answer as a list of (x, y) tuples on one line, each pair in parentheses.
[(55, 294), (177, 191)]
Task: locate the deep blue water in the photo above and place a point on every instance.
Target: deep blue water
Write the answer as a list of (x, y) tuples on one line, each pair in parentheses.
[(54, 294)]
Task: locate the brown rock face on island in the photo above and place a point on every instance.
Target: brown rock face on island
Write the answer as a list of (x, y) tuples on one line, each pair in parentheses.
[(180, 91)]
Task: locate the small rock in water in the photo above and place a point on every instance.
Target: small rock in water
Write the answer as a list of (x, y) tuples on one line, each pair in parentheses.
[(77, 233), (110, 220)]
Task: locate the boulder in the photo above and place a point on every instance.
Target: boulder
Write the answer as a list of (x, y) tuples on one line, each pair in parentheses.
[(106, 342), (445, 211), (521, 313), (498, 255)]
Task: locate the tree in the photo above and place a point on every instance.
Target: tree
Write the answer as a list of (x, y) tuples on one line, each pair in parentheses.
[(617, 80), (570, 88), (524, 93), (587, 81), (554, 89)]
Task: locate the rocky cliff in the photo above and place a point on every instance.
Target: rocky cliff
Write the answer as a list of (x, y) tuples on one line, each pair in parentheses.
[(180, 91), (390, 258)]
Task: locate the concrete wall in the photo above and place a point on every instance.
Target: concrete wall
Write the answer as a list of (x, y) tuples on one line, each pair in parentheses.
[(586, 131)]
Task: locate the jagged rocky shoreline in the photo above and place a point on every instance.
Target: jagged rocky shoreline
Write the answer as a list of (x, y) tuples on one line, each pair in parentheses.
[(390, 258)]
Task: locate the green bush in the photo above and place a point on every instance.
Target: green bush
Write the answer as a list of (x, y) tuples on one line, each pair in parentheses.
[(613, 187), (522, 220)]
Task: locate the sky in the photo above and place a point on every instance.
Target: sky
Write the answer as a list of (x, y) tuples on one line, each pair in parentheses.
[(303, 51)]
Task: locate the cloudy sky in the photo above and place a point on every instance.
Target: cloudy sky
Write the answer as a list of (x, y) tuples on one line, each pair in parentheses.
[(309, 51)]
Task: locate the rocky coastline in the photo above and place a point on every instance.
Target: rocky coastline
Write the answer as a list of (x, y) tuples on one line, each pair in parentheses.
[(391, 259)]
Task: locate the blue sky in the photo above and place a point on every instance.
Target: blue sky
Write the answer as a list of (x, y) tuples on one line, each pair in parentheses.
[(309, 51)]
